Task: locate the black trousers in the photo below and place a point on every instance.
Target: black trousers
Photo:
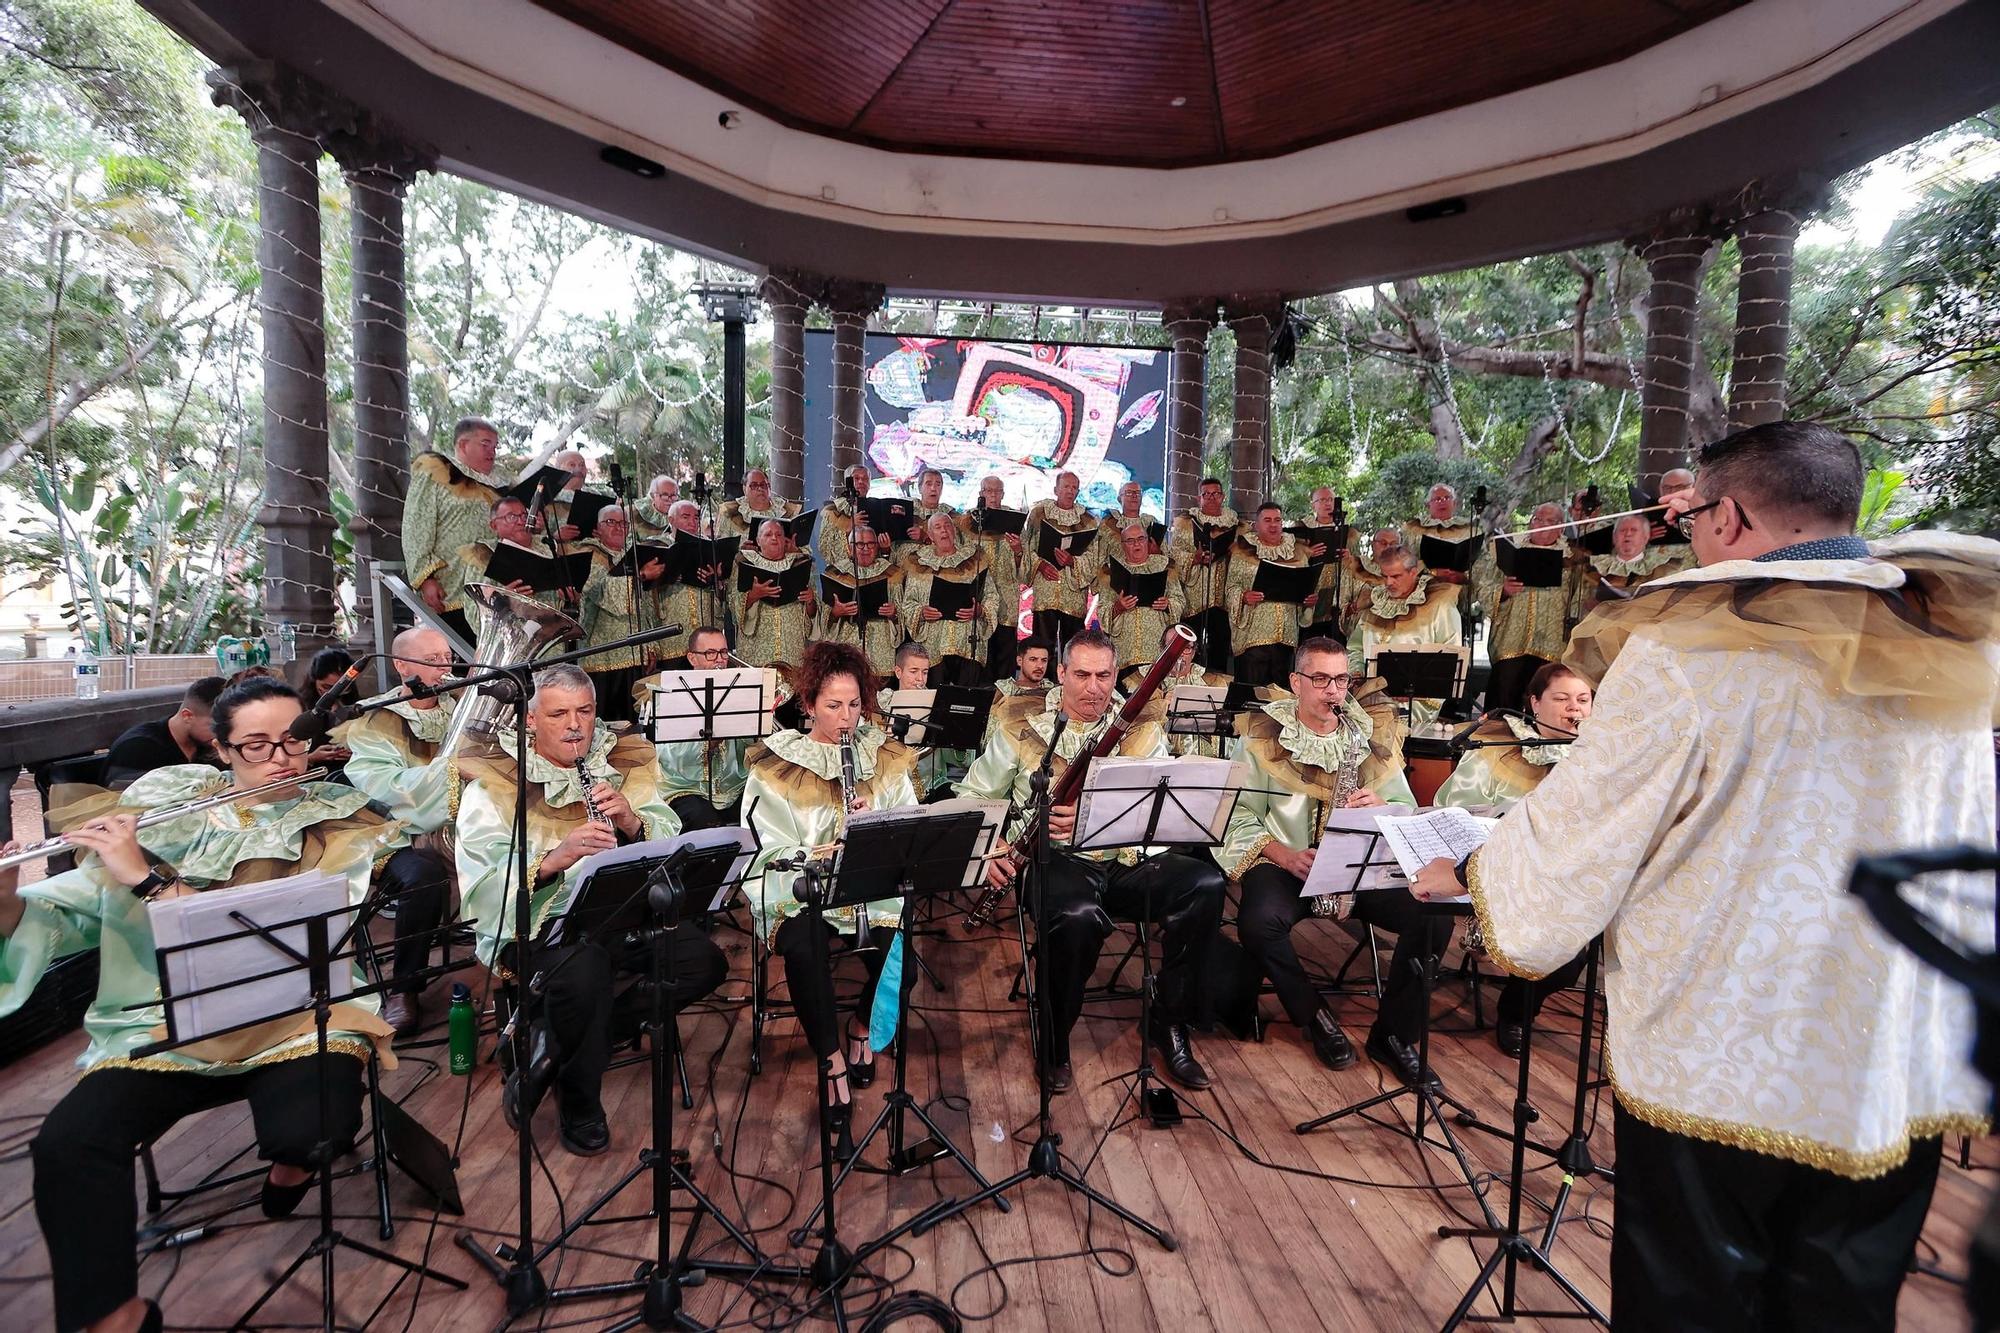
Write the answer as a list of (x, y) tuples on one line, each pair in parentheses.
[(1507, 687), (1211, 630), (808, 956), (1521, 999), (696, 813), (419, 882), (1722, 1239), (1000, 648), (614, 693), (1082, 897), (576, 1003), (458, 622), (1271, 906), (83, 1158), (955, 670), (1267, 664)]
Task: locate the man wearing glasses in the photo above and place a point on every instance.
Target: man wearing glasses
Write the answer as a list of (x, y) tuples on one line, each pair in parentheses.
[(394, 760), (1329, 747), (1784, 1070), (702, 781)]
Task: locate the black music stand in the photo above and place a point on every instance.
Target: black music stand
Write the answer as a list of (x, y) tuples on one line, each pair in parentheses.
[(328, 940), (910, 853), (1515, 1246), (692, 707), (1112, 817), (644, 890), (1412, 672)]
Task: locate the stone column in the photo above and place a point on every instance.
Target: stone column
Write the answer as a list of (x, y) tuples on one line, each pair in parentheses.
[(789, 296), (379, 168), (1765, 239), (850, 304), (1255, 322), (286, 114), (1673, 254), (1188, 323)]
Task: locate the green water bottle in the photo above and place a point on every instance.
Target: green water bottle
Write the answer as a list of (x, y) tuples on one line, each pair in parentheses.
[(464, 1028)]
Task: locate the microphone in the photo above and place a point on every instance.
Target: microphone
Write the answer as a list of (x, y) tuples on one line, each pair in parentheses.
[(1479, 499), (316, 722)]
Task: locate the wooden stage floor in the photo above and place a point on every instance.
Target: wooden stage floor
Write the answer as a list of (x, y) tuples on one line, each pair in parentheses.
[(1333, 1230)]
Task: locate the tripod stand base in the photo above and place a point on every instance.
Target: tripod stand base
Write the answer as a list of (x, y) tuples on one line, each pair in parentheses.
[(1515, 1248), (1044, 1162)]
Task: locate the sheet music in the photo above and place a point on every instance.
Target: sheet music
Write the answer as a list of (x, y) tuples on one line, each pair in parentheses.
[(697, 842), (1417, 840), (1340, 863), (201, 917), (744, 700), (1197, 710), (1117, 806), (916, 706)]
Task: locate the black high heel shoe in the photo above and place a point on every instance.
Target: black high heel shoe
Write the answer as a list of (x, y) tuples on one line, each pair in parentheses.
[(280, 1201), (861, 1072), (838, 1119)]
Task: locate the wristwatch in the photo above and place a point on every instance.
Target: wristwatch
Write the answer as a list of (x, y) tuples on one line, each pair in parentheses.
[(158, 880)]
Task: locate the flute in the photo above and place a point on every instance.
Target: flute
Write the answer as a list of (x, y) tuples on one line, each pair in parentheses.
[(52, 846)]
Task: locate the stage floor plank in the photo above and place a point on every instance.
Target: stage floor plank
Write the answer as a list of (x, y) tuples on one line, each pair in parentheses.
[(1257, 1246)]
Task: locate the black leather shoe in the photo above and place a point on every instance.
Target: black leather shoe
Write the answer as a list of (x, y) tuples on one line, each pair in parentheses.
[(1509, 1038), (1176, 1048), (1060, 1077), (1401, 1061), (284, 1200), (585, 1133), (403, 1013), (1329, 1043)]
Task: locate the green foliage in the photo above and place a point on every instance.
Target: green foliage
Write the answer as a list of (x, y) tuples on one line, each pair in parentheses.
[(1400, 485), (1878, 503)]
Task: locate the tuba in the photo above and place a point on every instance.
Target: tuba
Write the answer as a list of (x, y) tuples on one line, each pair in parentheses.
[(512, 628)]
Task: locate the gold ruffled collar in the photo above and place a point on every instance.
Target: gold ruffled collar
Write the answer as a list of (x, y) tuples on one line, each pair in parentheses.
[(1649, 560), (1225, 519), (756, 560), (1283, 552), (1392, 608), (1152, 564), (1424, 520), (1065, 518), (928, 557)]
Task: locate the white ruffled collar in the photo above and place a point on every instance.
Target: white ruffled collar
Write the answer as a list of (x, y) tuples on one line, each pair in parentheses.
[(1152, 564), (1544, 755), (823, 760), (1424, 520), (1225, 519), (928, 557), (840, 562), (1284, 552), (1390, 608), (1309, 746), (756, 560), (1067, 518)]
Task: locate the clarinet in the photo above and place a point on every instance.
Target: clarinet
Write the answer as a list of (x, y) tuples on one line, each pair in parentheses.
[(589, 802), (1071, 782)]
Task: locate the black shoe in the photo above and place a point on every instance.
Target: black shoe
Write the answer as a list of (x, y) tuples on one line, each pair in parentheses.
[(1401, 1060), (154, 1322), (284, 1200), (403, 1013), (1510, 1039), (1060, 1077), (585, 1133), (860, 1073), (1329, 1043), (1176, 1048)]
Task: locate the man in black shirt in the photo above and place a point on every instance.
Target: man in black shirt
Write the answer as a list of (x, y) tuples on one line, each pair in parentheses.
[(188, 737)]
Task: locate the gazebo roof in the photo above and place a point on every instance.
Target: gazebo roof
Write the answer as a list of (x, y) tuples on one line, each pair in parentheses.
[(1136, 152)]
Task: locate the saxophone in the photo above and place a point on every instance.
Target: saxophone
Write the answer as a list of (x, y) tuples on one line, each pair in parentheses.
[(1346, 781)]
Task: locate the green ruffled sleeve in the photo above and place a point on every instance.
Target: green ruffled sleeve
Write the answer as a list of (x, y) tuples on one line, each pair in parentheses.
[(1248, 830)]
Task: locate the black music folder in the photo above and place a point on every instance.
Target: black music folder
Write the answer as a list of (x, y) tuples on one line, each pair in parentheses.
[(950, 596), (584, 507), (800, 526), (691, 555), (1050, 540), (1215, 540), (1285, 583), (998, 521), (1437, 553), (792, 580), (544, 573), (872, 594), (1334, 538), (1598, 541), (892, 514), (1535, 566), (549, 482), (639, 554), (1148, 588)]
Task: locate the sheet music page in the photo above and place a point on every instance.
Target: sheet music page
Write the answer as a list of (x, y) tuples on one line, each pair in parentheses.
[(1417, 840), (744, 699), (208, 916), (697, 841), (916, 706), (1118, 799)]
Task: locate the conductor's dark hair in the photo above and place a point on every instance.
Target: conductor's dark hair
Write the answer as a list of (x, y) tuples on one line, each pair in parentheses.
[(464, 426), (200, 696), (1796, 469), (250, 691), (824, 660), (1089, 638)]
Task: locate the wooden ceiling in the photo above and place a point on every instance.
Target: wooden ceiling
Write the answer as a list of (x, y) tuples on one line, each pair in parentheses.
[(1138, 82)]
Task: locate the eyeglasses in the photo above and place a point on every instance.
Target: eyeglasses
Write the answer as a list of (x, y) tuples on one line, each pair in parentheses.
[(1319, 680), (710, 653), (258, 751), (1685, 523)]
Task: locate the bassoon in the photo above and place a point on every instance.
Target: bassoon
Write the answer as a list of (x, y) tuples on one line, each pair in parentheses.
[(1070, 784)]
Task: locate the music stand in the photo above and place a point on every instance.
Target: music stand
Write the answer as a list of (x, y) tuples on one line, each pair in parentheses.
[(702, 706), (644, 889), (1141, 803), (309, 927), (1412, 671)]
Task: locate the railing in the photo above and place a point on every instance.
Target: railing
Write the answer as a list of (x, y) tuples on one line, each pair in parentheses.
[(55, 677)]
